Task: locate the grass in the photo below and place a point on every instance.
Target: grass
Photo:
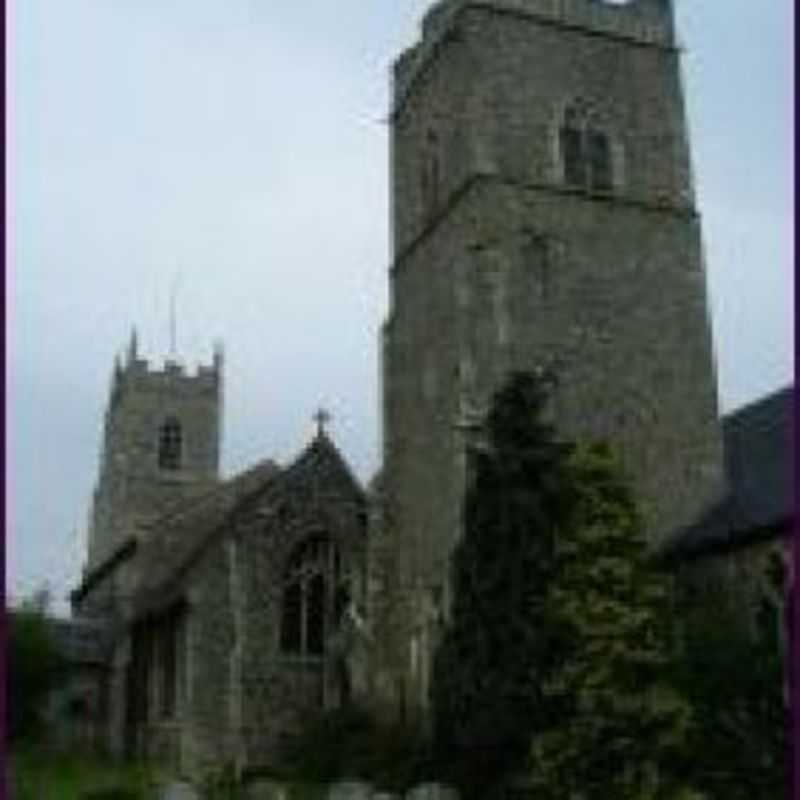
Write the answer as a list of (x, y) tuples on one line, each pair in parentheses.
[(35, 775)]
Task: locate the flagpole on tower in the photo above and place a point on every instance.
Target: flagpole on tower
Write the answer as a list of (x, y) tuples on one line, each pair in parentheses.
[(173, 322)]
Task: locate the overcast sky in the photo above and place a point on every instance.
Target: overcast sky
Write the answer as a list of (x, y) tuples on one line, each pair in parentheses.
[(237, 149)]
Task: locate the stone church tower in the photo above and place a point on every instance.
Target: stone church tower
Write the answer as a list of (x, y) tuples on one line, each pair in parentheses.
[(161, 442), (543, 215)]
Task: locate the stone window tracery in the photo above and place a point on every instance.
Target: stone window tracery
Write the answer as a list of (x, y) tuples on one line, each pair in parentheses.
[(585, 150), (312, 597), (170, 444)]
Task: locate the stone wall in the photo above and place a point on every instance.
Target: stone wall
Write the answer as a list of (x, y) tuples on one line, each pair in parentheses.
[(207, 738), (747, 580), (281, 692)]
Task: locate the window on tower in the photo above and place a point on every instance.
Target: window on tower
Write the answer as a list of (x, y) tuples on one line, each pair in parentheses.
[(170, 443), (585, 153)]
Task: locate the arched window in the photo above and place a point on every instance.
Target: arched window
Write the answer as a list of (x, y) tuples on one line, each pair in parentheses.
[(585, 152), (170, 444), (312, 590)]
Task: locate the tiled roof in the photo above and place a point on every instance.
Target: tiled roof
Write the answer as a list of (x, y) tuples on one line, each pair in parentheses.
[(176, 539)]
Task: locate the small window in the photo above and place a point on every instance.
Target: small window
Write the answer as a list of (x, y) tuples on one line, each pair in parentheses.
[(599, 158), (585, 153), (572, 150), (170, 444)]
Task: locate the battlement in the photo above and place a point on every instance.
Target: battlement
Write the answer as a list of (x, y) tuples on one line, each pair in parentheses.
[(137, 373), (643, 22), (171, 371)]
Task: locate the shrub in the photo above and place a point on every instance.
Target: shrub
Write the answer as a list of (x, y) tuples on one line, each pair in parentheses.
[(35, 667), (349, 743)]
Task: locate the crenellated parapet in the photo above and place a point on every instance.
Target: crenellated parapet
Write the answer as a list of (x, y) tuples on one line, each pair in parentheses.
[(647, 22)]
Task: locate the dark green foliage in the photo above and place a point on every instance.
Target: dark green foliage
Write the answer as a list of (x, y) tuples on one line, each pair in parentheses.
[(554, 670), (614, 723), (485, 675), (349, 744), (37, 774), (733, 673), (34, 668)]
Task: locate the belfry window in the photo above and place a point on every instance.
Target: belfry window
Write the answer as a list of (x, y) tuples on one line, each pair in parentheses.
[(585, 153), (170, 443), (312, 584)]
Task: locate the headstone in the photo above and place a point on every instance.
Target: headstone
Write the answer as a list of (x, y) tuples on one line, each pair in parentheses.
[(266, 790), (350, 790), (178, 791), (432, 791)]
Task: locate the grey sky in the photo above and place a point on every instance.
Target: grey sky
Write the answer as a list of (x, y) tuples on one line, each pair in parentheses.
[(241, 147)]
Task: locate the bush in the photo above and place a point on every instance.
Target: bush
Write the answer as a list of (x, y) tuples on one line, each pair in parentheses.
[(35, 667), (349, 743)]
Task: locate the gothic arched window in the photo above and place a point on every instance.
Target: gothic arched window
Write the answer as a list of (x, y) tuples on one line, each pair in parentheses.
[(585, 152), (170, 443), (312, 588)]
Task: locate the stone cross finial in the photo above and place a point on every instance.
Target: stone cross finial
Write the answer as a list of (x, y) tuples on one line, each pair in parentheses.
[(322, 418)]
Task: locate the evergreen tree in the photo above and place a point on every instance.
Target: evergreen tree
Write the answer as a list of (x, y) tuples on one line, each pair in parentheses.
[(555, 666), (615, 725), (485, 692), (34, 665)]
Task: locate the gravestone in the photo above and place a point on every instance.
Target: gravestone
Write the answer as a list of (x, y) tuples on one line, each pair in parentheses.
[(350, 790), (266, 790), (178, 790), (432, 791)]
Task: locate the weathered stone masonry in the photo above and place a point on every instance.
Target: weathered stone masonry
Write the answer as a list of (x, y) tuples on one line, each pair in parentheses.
[(510, 261)]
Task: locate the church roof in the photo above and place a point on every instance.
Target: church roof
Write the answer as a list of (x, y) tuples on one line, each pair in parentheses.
[(180, 540), (758, 462)]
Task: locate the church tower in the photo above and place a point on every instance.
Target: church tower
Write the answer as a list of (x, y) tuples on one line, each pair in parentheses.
[(543, 215), (161, 443)]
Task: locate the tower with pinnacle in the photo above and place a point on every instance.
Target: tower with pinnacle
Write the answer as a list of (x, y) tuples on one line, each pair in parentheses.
[(161, 443), (543, 216)]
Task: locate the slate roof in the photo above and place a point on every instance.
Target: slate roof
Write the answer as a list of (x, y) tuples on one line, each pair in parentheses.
[(178, 538), (758, 443)]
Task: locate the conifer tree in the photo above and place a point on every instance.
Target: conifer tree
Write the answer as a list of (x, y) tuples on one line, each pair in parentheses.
[(485, 691), (555, 667), (614, 723)]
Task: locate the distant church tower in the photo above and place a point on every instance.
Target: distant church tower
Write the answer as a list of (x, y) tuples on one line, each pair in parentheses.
[(543, 214), (161, 442)]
